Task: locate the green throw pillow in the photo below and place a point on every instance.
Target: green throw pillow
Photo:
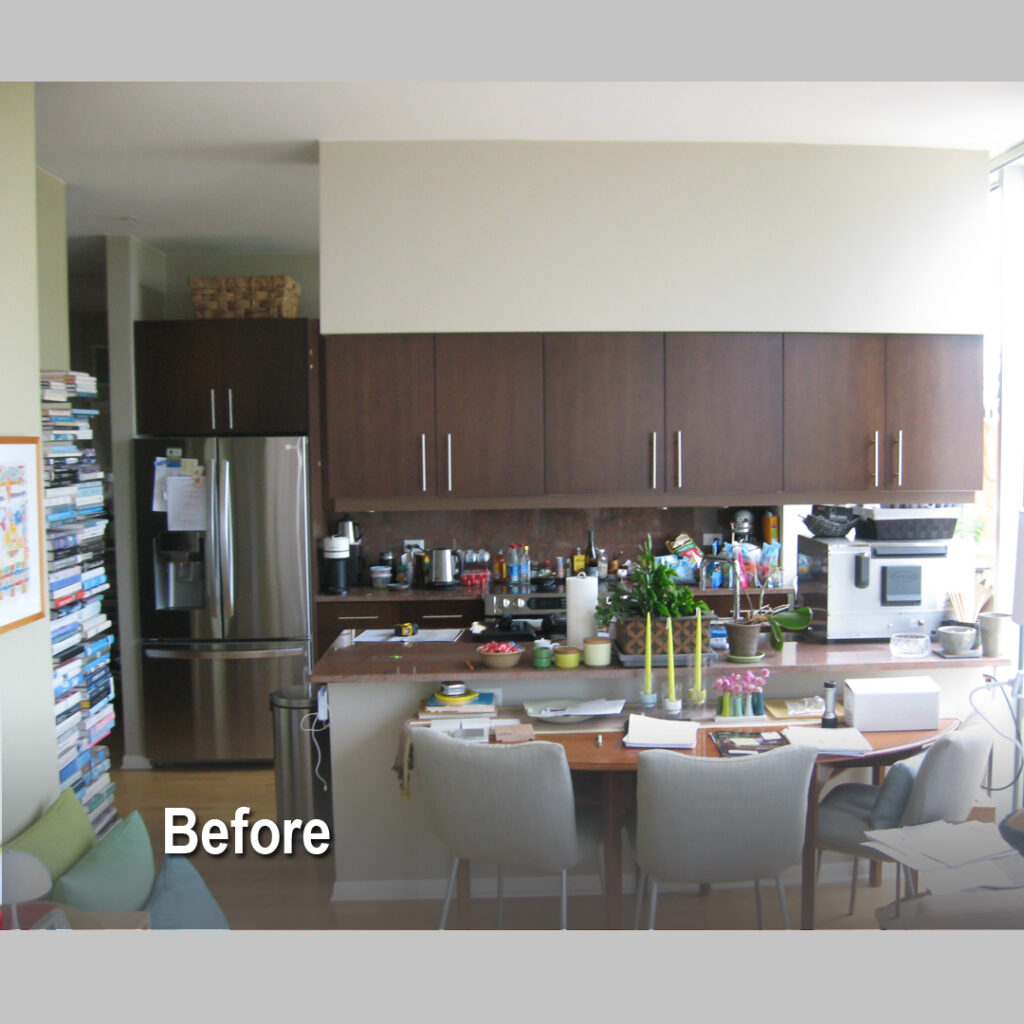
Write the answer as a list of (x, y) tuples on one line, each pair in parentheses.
[(116, 874), (60, 837)]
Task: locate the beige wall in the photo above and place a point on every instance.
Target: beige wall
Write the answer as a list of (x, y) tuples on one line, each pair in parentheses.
[(304, 268), (52, 262), (478, 235), (27, 745)]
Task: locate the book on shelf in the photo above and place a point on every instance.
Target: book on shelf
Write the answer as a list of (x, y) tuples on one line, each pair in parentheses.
[(68, 702), (737, 743)]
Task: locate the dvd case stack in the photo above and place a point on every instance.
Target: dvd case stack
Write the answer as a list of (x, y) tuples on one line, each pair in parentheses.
[(81, 633)]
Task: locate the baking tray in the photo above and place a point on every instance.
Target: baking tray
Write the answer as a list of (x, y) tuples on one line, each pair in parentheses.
[(661, 660)]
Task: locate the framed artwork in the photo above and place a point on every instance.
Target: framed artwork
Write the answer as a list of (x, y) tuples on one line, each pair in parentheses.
[(22, 578)]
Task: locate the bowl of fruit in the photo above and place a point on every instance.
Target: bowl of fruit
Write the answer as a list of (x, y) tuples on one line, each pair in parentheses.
[(500, 654)]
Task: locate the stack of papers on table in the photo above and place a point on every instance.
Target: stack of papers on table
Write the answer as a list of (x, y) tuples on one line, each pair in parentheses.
[(561, 708), (952, 857), (642, 731), (828, 741)]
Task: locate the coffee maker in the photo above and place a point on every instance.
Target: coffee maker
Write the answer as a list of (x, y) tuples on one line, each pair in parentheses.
[(353, 533), (335, 556)]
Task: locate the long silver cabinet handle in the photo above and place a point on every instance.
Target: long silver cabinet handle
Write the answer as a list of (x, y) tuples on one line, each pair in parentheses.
[(357, 618), (654, 460), (423, 463), (899, 458), (213, 410), (679, 458), (231, 410), (227, 540), (450, 615), (449, 462), (876, 458)]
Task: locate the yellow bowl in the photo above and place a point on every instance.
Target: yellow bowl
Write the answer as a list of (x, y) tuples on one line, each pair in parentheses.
[(567, 657), (506, 659)]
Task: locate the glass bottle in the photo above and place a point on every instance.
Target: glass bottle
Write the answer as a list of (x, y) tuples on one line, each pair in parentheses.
[(513, 568), (591, 562)]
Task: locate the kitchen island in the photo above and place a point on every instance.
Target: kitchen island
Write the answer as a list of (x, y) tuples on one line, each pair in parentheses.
[(384, 847)]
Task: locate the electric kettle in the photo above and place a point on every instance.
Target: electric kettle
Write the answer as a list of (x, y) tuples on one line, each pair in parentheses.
[(444, 568)]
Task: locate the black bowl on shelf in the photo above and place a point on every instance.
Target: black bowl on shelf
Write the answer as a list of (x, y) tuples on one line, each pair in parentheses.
[(821, 526)]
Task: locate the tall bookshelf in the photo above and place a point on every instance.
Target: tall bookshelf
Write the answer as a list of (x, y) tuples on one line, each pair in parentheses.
[(81, 632)]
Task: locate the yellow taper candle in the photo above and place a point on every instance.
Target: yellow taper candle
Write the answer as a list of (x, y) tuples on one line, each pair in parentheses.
[(671, 662), (697, 689), (647, 656)]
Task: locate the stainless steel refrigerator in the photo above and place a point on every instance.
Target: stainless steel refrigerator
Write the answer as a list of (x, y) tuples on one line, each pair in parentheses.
[(225, 591)]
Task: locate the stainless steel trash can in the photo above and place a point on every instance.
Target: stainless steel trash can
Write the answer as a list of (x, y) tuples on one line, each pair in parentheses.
[(299, 774)]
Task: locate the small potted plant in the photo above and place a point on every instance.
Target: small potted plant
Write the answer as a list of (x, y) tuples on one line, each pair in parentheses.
[(744, 633), (652, 589)]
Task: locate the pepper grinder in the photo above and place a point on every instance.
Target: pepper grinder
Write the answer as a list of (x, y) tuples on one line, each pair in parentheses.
[(828, 719)]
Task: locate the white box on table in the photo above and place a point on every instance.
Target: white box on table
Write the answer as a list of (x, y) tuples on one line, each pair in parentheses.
[(890, 704)]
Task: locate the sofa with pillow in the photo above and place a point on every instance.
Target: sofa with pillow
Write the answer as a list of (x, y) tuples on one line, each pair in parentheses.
[(117, 872)]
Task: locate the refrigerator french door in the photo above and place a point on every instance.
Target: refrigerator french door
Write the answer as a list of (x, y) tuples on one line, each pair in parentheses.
[(225, 594)]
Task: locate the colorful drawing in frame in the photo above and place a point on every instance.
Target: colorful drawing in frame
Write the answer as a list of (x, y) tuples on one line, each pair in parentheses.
[(22, 582)]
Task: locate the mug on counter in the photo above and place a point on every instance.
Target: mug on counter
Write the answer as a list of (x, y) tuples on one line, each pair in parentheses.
[(996, 630)]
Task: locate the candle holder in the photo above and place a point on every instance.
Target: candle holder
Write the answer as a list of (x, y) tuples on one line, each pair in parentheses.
[(672, 707), (649, 700)]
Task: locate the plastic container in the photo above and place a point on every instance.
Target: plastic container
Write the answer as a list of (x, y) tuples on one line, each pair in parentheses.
[(380, 576)]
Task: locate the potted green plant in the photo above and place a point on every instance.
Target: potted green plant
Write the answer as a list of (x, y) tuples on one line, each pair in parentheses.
[(744, 632), (652, 587)]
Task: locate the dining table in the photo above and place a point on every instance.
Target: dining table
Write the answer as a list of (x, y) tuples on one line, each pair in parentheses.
[(601, 753)]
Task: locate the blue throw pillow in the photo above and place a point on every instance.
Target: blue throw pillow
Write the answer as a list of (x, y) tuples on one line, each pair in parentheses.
[(180, 898), (894, 793)]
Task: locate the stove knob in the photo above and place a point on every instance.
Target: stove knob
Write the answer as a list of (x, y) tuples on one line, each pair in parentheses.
[(520, 603), (505, 602)]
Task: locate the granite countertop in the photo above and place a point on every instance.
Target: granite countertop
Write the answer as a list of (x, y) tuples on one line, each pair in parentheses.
[(395, 661)]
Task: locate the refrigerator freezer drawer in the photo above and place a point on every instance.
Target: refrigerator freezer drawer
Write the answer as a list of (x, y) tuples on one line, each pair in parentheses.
[(211, 702)]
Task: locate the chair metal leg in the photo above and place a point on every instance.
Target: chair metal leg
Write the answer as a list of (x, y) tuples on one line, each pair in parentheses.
[(654, 905), (760, 905), (501, 893), (853, 887), (780, 889), (898, 873), (448, 894), (565, 899), (641, 885), (817, 865)]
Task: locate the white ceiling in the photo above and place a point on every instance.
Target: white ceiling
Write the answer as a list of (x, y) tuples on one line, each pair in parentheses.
[(232, 167)]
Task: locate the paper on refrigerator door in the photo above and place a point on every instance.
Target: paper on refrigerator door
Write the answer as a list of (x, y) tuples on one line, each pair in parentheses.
[(187, 502)]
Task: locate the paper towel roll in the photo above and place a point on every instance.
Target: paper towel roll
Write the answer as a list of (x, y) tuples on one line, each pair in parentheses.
[(580, 604)]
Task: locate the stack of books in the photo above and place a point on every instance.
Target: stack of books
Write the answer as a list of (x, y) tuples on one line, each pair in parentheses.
[(81, 633)]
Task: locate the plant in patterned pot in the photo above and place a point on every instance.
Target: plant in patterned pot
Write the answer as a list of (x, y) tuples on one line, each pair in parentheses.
[(652, 588)]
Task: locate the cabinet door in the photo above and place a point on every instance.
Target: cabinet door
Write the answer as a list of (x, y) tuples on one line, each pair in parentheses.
[(332, 617), (490, 414), (934, 412), (177, 370), (378, 401), (834, 411), (264, 385), (604, 413), (723, 412)]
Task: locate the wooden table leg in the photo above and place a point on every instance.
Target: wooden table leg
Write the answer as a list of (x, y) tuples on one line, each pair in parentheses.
[(615, 800), (875, 866), (462, 889), (807, 880)]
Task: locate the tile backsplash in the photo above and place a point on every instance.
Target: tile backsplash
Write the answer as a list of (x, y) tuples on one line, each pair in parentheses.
[(549, 532)]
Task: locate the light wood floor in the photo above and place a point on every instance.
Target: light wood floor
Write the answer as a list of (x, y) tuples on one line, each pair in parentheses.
[(293, 892)]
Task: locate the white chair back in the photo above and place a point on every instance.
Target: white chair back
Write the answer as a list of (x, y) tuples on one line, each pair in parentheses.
[(509, 805), (705, 819), (948, 779)]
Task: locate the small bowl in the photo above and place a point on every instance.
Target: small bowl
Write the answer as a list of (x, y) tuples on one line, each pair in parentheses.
[(506, 659), (567, 657), (910, 645), (956, 639)]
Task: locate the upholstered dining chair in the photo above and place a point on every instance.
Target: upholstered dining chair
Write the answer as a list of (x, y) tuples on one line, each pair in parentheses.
[(938, 784), (508, 805), (702, 820)]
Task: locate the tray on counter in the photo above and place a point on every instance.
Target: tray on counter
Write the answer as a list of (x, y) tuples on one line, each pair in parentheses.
[(661, 660)]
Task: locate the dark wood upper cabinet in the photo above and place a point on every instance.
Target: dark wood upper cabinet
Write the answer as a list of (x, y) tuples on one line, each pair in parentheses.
[(216, 377), (490, 429), (378, 408), (723, 412), (834, 401), (934, 412), (604, 413)]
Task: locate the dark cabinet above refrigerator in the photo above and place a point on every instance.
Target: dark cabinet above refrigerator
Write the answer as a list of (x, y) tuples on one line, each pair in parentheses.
[(225, 377)]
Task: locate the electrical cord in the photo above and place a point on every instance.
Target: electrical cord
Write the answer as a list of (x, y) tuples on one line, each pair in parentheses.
[(313, 730), (1010, 690)]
